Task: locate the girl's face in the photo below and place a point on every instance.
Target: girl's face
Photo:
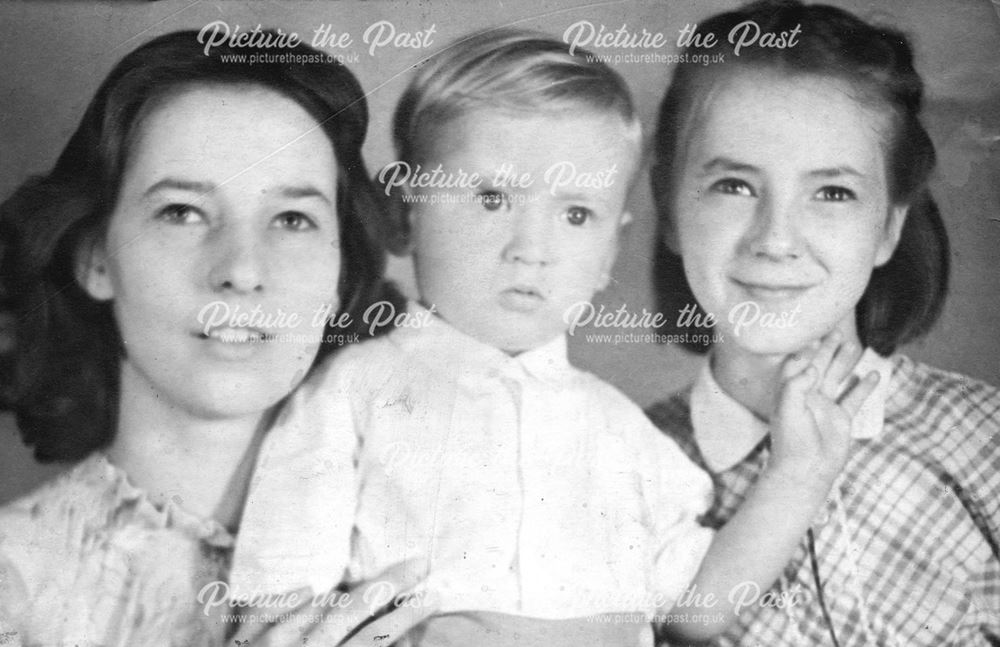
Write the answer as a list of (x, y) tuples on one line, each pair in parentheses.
[(782, 210), (226, 209)]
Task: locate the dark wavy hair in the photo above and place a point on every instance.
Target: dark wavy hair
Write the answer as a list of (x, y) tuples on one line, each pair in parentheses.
[(60, 369), (904, 296)]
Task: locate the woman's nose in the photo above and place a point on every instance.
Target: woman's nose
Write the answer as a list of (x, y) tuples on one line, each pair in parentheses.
[(237, 262), (775, 234)]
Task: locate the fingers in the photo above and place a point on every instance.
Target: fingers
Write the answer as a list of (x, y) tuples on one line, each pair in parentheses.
[(856, 396), (840, 368), (390, 627), (827, 349), (260, 633), (402, 577)]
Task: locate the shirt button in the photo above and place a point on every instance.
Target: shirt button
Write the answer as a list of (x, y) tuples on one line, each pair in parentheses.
[(822, 517)]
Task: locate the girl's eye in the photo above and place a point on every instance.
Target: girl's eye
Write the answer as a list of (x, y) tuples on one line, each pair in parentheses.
[(578, 215), (294, 221), (180, 214), (836, 194), (491, 200), (732, 186)]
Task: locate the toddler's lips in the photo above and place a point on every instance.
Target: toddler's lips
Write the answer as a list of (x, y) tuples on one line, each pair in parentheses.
[(522, 298)]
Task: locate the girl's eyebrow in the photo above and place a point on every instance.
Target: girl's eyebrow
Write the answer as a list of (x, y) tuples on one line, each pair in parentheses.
[(836, 171)]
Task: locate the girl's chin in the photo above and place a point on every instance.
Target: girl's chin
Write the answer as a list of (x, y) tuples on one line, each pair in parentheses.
[(765, 342)]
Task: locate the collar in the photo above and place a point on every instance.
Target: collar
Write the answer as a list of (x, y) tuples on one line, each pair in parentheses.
[(441, 344), (726, 431)]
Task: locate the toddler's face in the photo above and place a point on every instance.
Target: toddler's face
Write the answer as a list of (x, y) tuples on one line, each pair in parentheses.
[(783, 209), (504, 261)]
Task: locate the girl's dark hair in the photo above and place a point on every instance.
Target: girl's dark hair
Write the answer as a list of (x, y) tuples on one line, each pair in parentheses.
[(59, 368), (905, 296)]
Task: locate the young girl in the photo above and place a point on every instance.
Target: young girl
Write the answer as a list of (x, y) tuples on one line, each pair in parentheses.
[(532, 488), (792, 185), (191, 186)]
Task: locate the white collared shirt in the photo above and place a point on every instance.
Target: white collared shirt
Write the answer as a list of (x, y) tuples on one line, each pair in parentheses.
[(727, 432), (532, 487)]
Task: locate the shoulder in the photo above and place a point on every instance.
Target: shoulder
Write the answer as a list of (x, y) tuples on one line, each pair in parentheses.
[(37, 530), (935, 400), (626, 419), (620, 411)]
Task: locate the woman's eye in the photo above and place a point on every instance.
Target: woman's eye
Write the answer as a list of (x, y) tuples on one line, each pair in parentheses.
[(294, 220), (491, 200), (180, 214), (578, 215), (732, 186), (836, 194)]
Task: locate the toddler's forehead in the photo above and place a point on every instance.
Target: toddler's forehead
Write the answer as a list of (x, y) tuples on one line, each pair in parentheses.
[(572, 133)]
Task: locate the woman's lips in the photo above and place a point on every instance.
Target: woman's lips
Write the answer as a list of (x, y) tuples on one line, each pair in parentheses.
[(231, 335)]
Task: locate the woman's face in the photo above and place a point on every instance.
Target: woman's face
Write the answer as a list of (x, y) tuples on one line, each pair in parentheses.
[(222, 248), (782, 210)]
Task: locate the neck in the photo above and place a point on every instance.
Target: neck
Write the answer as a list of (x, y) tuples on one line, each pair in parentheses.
[(202, 464), (754, 379)]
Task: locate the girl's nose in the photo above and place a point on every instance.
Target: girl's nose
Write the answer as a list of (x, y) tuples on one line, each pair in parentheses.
[(530, 240), (774, 234), (237, 262)]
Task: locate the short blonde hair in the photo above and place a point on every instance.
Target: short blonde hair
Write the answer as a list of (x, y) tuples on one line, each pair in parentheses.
[(508, 69)]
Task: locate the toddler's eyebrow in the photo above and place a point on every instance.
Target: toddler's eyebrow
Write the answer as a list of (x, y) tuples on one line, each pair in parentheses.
[(717, 164)]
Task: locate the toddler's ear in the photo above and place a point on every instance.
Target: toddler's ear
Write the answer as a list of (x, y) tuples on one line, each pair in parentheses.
[(891, 233), (91, 269)]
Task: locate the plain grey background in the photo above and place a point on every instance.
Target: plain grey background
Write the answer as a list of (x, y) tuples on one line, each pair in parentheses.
[(54, 56)]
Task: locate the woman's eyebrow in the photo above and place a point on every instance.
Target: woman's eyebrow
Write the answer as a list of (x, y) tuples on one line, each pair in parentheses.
[(204, 188), (193, 186), (304, 191)]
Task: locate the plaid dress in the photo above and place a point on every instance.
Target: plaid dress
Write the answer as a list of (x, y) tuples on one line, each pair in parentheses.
[(907, 548)]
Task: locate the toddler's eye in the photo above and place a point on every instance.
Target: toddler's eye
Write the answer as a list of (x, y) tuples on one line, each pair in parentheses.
[(836, 194), (491, 200), (294, 221), (732, 186), (180, 214), (578, 215)]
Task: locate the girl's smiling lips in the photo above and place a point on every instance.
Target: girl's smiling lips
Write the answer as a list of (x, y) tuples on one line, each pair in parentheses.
[(772, 289)]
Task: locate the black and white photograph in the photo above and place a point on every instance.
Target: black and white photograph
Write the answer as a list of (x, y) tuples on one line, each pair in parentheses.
[(441, 323)]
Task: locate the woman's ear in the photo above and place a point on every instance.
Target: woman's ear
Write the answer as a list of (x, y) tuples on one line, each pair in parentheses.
[(91, 269), (398, 205), (891, 234)]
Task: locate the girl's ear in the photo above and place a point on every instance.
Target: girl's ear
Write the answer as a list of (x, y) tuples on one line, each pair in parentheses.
[(91, 269), (660, 199), (890, 235)]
